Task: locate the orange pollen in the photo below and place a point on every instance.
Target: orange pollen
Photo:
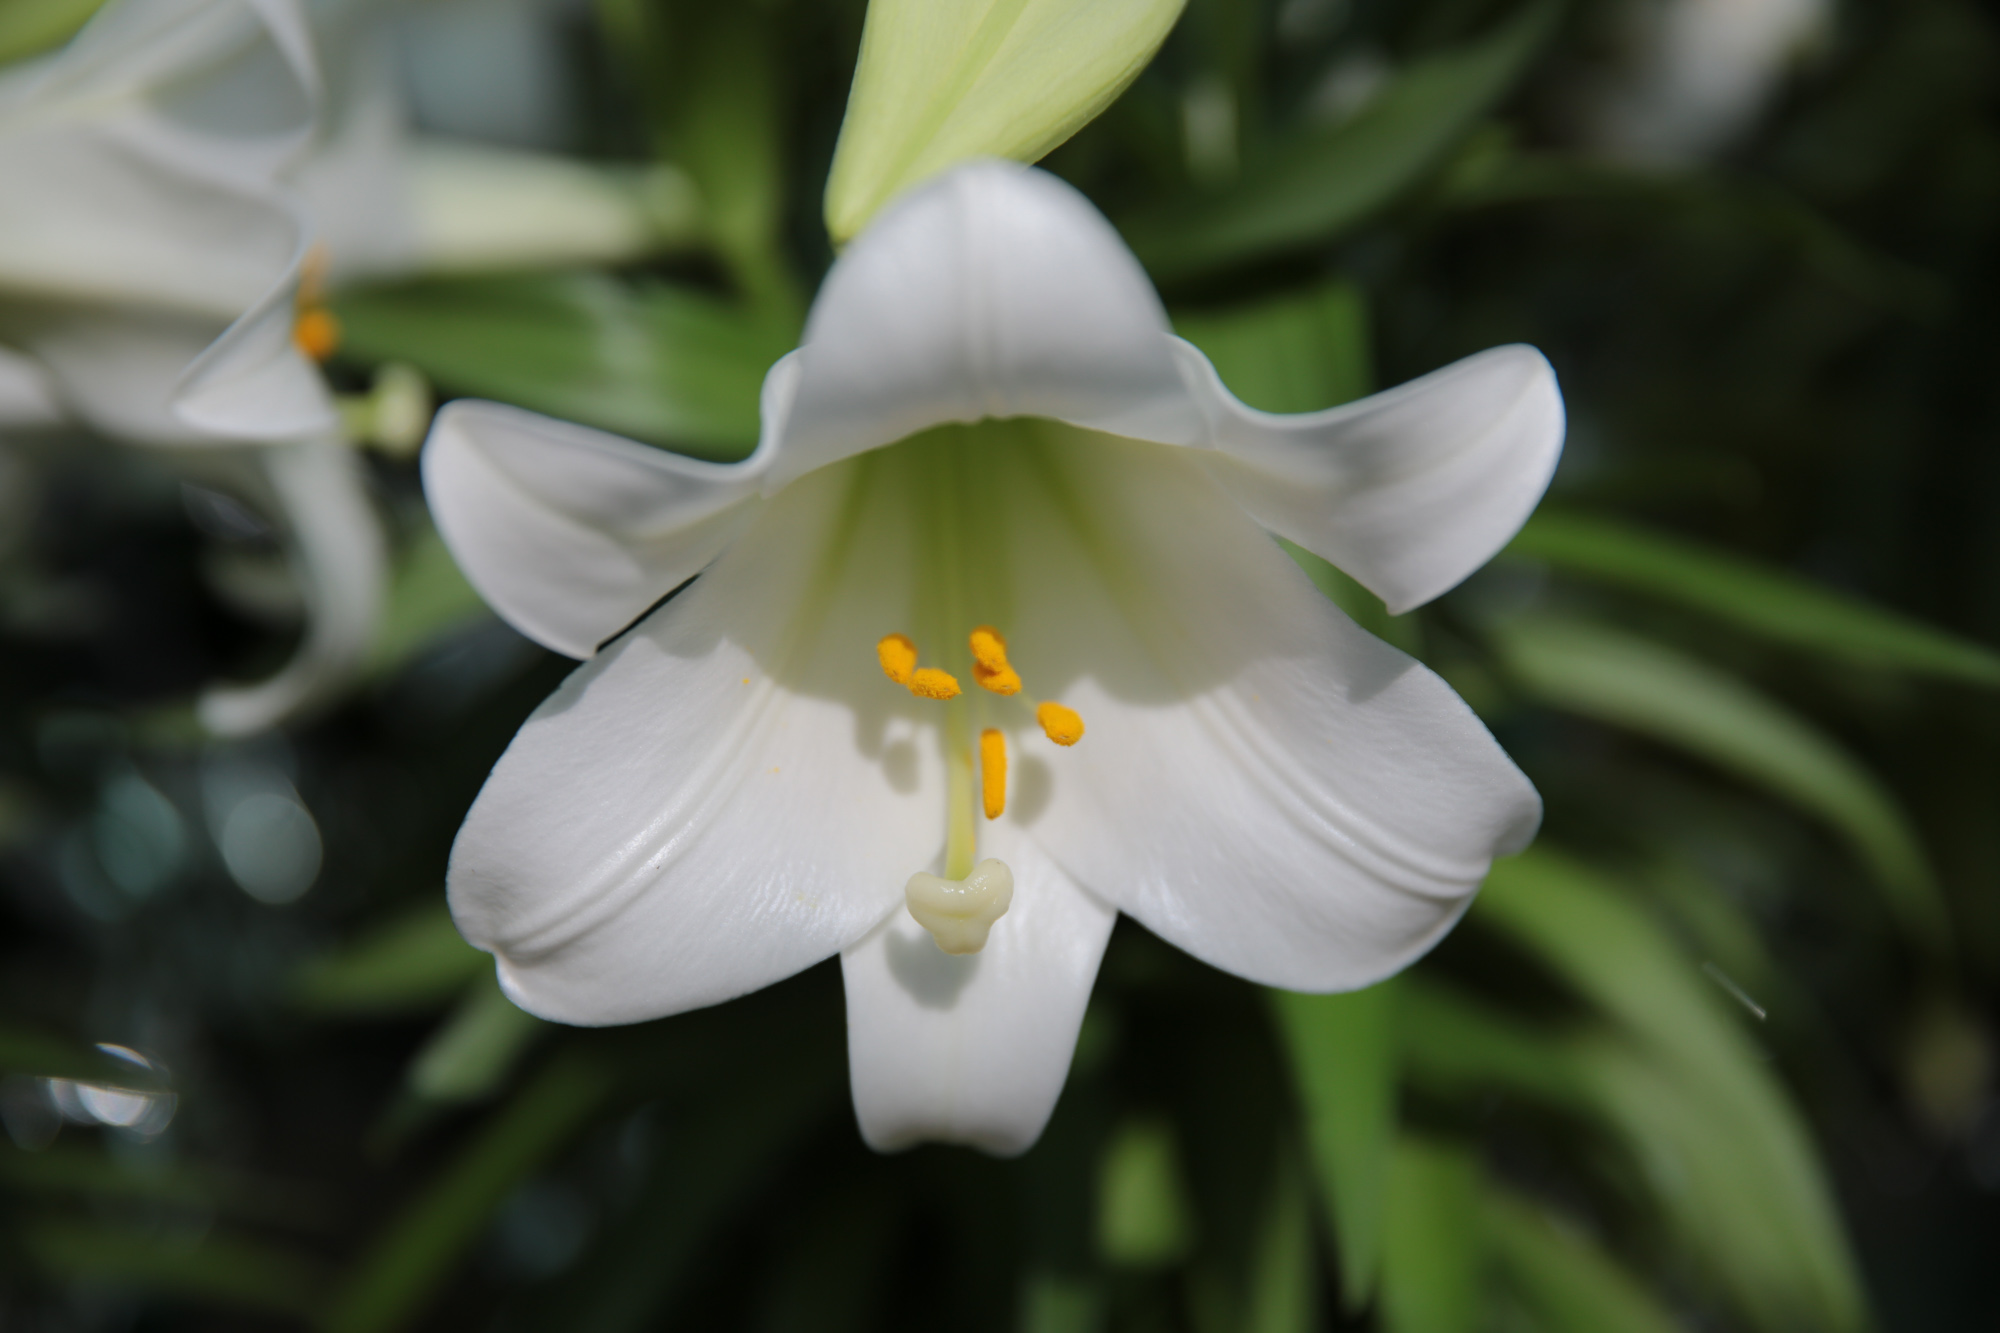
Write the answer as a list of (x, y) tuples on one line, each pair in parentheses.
[(316, 332), (931, 683), (1062, 725), (1001, 680), (989, 649), (993, 772), (898, 656)]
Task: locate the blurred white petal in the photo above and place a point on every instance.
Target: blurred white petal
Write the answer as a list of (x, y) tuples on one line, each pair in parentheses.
[(27, 398), (336, 547)]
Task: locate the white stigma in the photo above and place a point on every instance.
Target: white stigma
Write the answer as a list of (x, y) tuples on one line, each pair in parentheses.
[(960, 912)]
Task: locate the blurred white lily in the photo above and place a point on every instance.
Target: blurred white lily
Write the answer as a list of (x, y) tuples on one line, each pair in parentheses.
[(989, 467), (1697, 73), (143, 221), (387, 201)]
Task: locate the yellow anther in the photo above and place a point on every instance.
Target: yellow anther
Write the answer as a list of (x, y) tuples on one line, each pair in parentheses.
[(1062, 725), (316, 332), (989, 649), (993, 772), (930, 683), (1005, 680), (899, 658)]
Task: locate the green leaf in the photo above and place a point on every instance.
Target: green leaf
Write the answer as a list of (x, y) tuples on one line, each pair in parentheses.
[(25, 1050), (1721, 1143), (1143, 1216), (1713, 201), (1722, 1157), (211, 1269), (474, 1049), (1431, 1255), (1059, 1303), (413, 1256), (940, 82), (93, 1174), (750, 1090), (1324, 182), (1570, 1284), (1646, 687), (428, 599), (1343, 1058), (413, 964), (1735, 1178), (1300, 352), (1283, 1278), (1754, 597), (656, 362), (1457, 1047), (30, 27), (720, 101)]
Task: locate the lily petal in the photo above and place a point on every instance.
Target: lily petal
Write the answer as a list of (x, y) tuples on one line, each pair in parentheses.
[(26, 396), (116, 370), (223, 89), (994, 291), (570, 533), (140, 158), (253, 382), (91, 220), (704, 807), (974, 1049), (1262, 783), (1408, 491), (337, 551)]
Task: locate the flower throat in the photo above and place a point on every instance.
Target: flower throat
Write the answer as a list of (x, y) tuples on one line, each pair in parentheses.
[(959, 907)]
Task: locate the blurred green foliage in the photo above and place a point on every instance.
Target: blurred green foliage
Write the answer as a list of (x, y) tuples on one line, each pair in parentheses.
[(1716, 1054)]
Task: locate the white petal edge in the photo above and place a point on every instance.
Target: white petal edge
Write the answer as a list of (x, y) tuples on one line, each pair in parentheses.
[(974, 1049), (338, 556), (727, 794), (571, 533), (994, 291), (997, 290), (253, 382), (1410, 490), (1261, 782)]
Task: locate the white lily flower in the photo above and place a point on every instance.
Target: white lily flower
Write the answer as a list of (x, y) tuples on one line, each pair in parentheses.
[(140, 220), (730, 790), (148, 263)]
